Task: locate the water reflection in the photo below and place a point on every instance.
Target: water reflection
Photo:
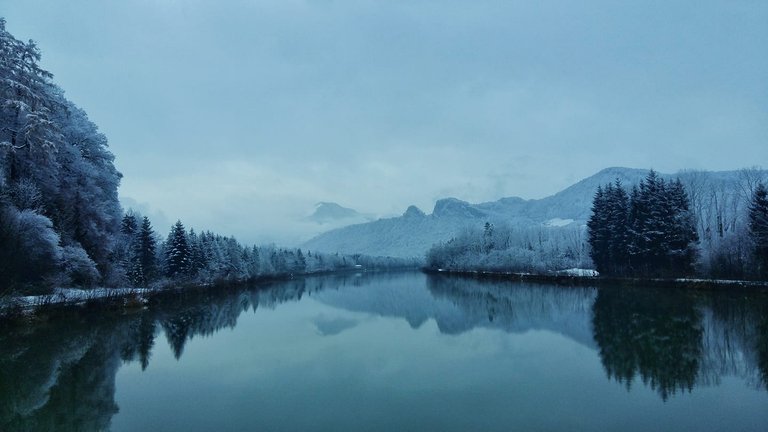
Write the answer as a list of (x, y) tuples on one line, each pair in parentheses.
[(61, 377), (735, 338), (676, 340), (517, 307), (654, 335), (60, 374), (327, 326)]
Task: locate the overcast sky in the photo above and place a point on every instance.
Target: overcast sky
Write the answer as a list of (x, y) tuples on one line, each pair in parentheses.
[(238, 116)]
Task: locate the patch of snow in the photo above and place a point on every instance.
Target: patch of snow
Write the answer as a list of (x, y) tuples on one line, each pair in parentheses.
[(721, 281), (579, 272), (74, 296), (557, 222)]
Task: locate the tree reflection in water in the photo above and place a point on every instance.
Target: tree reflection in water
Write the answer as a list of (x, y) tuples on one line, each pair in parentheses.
[(654, 335), (59, 374), (676, 340)]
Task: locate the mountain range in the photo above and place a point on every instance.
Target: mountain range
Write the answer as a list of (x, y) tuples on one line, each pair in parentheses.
[(414, 232)]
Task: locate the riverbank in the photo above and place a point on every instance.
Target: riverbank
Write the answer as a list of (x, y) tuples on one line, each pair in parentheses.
[(136, 298), (588, 280)]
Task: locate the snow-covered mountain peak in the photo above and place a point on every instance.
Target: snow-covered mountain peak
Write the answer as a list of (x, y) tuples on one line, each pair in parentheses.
[(452, 207), (413, 212), (326, 212)]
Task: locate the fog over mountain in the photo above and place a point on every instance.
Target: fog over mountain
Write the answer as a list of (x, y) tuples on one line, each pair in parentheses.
[(330, 215)]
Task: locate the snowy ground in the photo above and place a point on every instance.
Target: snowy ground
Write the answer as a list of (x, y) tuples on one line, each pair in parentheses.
[(557, 222), (578, 272), (76, 296), (724, 282), (566, 272)]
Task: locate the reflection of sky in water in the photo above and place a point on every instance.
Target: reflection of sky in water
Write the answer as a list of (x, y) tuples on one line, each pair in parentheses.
[(391, 365)]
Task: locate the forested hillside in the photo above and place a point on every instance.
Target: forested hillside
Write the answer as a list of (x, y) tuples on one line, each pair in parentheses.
[(60, 220), (59, 212)]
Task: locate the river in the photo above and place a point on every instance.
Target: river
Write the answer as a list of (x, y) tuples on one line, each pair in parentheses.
[(395, 352)]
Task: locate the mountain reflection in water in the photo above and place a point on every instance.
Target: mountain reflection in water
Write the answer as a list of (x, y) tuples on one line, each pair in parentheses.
[(60, 374)]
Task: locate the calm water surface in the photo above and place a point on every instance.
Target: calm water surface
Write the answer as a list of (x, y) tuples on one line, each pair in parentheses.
[(392, 352)]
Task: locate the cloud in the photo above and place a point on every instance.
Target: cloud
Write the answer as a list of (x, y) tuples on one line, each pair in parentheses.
[(238, 116)]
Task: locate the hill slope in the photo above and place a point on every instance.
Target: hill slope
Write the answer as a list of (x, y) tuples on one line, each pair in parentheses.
[(413, 233)]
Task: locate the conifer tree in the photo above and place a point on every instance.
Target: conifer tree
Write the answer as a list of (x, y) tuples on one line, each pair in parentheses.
[(197, 260), (758, 228), (597, 229), (682, 236), (488, 244), (301, 262), (147, 250), (129, 226), (177, 252), (647, 227), (254, 263), (617, 209), (652, 232)]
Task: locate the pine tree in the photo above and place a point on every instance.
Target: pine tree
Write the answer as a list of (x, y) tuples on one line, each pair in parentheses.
[(617, 209), (27, 105), (177, 252), (682, 236), (652, 232), (129, 225), (301, 262), (648, 226), (146, 250), (488, 238), (254, 266), (758, 228), (279, 265), (597, 230), (197, 261), (633, 251), (125, 247)]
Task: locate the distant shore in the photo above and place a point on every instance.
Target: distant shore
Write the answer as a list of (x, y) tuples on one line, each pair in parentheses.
[(562, 279)]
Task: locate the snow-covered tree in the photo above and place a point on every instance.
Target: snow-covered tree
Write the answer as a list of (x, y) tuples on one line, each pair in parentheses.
[(30, 253), (78, 268), (177, 254), (53, 161), (144, 258), (129, 225), (682, 236), (651, 232), (599, 232), (758, 227), (524, 249)]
